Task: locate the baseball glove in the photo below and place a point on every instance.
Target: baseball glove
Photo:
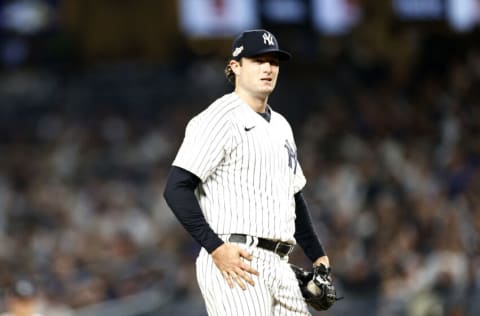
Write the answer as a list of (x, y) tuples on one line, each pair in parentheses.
[(316, 286)]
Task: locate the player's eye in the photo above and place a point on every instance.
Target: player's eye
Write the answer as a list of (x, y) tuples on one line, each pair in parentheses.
[(273, 62)]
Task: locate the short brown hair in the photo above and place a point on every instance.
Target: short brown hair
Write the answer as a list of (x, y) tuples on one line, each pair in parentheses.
[(229, 72)]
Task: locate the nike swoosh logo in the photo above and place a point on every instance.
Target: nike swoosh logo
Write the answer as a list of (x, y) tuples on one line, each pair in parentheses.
[(247, 129)]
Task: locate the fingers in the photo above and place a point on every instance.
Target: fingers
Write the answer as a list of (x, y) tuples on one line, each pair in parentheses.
[(240, 275), (248, 256), (237, 278), (235, 270), (247, 268), (245, 275), (228, 279), (245, 254)]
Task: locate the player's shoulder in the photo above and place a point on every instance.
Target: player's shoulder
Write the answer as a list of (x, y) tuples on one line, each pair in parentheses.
[(277, 115), (221, 109), (225, 104), (280, 118)]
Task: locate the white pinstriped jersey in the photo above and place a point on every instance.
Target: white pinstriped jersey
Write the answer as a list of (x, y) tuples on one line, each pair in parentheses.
[(248, 169)]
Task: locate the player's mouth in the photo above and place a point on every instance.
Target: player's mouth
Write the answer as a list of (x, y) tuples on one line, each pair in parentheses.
[(266, 79)]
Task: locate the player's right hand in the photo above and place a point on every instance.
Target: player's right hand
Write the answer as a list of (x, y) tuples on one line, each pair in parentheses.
[(228, 259)]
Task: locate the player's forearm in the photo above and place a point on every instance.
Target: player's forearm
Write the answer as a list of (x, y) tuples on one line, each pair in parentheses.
[(180, 197), (304, 231)]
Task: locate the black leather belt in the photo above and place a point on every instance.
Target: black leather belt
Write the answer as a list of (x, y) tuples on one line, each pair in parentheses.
[(280, 248)]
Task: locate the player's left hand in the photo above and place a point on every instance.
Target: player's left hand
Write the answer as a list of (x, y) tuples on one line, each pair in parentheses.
[(228, 259), (322, 260), (316, 286)]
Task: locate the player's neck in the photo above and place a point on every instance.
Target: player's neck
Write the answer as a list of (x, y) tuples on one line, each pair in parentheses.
[(257, 103)]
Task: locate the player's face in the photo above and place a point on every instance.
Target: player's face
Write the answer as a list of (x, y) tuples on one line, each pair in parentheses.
[(258, 75)]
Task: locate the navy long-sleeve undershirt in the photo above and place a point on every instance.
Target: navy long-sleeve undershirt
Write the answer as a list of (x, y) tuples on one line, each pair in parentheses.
[(304, 231), (180, 196)]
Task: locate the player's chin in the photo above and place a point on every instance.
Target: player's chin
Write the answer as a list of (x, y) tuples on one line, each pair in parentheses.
[(264, 93), (267, 87)]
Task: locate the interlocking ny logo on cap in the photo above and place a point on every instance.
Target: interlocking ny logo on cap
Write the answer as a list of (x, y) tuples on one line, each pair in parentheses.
[(268, 39)]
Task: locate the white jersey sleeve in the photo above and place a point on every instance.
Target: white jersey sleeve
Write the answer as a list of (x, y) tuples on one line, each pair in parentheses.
[(208, 138)]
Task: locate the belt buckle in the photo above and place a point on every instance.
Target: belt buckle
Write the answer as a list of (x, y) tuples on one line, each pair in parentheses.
[(290, 248), (276, 247)]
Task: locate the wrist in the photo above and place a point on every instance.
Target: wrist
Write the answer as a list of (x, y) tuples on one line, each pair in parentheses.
[(322, 260), (214, 246)]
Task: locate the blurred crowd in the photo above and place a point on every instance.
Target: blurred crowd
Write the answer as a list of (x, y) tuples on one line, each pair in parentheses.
[(394, 182), (390, 148)]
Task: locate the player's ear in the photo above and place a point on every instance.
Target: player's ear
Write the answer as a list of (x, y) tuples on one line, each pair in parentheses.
[(235, 66)]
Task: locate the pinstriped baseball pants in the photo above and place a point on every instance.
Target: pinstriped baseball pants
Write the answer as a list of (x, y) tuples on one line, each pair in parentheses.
[(276, 291)]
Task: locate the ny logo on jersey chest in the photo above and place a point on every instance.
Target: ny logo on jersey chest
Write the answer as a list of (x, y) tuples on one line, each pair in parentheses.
[(292, 157)]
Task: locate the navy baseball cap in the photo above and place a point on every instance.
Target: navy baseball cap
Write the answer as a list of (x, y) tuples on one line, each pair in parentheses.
[(255, 42)]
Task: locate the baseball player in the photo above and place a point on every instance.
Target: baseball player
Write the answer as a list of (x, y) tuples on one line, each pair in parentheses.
[(236, 186)]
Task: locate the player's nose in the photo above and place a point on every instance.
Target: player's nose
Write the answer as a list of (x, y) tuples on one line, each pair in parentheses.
[(267, 67)]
